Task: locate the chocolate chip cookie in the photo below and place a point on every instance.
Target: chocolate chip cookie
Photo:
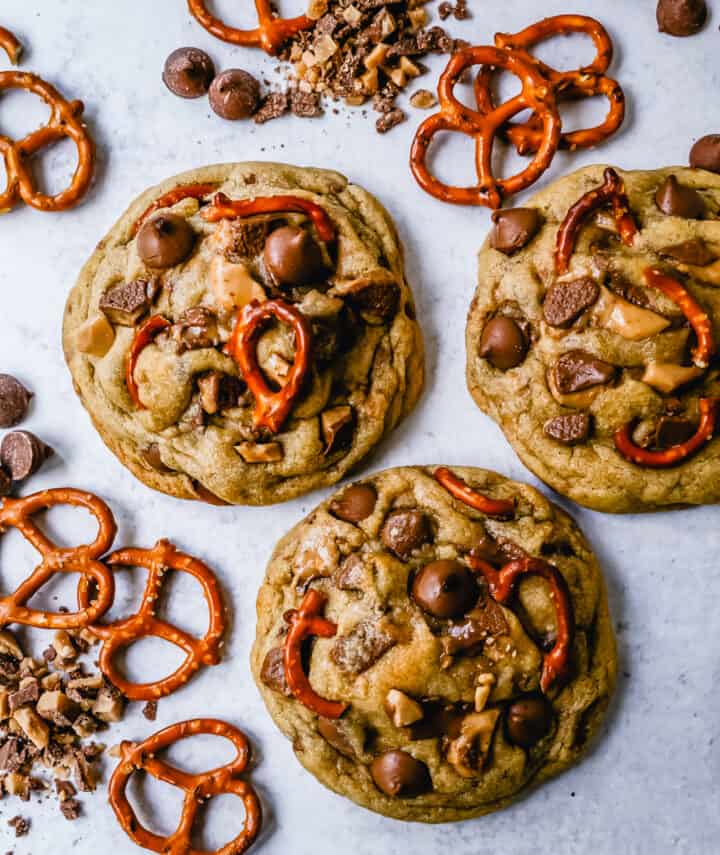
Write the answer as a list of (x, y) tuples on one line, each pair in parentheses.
[(245, 333), (592, 335), (434, 642)]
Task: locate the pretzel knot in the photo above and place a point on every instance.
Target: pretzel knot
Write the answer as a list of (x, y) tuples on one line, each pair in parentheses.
[(198, 788), (18, 514), (502, 584), (271, 408), (585, 82), (536, 94), (304, 623), (270, 35), (120, 634), (462, 491), (65, 121)]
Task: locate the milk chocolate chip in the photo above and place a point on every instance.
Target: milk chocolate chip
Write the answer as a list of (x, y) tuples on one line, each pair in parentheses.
[(513, 229), (126, 303), (681, 17), (399, 774), (355, 504), (676, 200), (503, 343), (14, 401), (577, 370), (165, 241), (693, 252), (673, 430), (293, 257), (566, 301), (22, 454), (404, 531), (570, 429), (234, 94), (528, 720), (445, 588), (188, 72), (705, 154)]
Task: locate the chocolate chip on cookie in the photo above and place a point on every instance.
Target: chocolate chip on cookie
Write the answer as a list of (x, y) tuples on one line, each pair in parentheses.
[(681, 17), (22, 454), (529, 719), (165, 240), (14, 401), (126, 303), (188, 72), (705, 153), (332, 732), (234, 94), (272, 672), (569, 429), (677, 200), (445, 588), (566, 301), (503, 343), (513, 228), (378, 300), (293, 257), (361, 648), (405, 531), (695, 252), (577, 370), (399, 775), (355, 504), (673, 430)]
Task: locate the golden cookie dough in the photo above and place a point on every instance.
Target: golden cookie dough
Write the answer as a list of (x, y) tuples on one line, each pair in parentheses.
[(194, 435), (428, 662)]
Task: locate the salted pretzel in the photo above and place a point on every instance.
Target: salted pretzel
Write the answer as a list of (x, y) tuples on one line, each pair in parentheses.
[(270, 35), (11, 45), (271, 408), (172, 197), (198, 788), (667, 457), (82, 559), (585, 82), (536, 95), (304, 623), (65, 121), (121, 634), (144, 335), (503, 583), (464, 493), (610, 192)]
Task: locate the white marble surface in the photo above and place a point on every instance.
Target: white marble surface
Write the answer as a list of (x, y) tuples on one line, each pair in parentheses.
[(652, 783)]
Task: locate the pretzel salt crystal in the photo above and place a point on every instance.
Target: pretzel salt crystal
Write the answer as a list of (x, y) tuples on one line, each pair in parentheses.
[(464, 492)]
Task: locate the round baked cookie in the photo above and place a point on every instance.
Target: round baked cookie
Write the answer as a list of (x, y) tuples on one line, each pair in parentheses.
[(465, 657), (599, 360), (245, 352)]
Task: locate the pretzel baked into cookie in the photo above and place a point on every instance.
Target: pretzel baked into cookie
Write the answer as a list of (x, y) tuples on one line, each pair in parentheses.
[(245, 333), (592, 337), (427, 657)]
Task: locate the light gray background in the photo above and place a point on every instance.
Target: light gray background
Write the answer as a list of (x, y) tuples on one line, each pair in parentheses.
[(651, 784)]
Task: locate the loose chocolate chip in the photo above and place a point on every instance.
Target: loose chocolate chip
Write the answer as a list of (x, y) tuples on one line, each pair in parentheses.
[(165, 241), (14, 401), (695, 252), (528, 720), (503, 343), (705, 154), (234, 94), (672, 430), (513, 229), (569, 429), (22, 454), (566, 301), (404, 531), (577, 370), (188, 72), (124, 304), (355, 504), (399, 774), (676, 200), (332, 732), (293, 257), (272, 672), (445, 588), (681, 17)]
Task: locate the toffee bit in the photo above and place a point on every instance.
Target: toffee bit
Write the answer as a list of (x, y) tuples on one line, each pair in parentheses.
[(150, 710)]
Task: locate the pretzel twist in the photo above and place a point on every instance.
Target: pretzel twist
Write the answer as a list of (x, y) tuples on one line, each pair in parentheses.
[(120, 634), (304, 623), (198, 788), (144, 335), (270, 35), (536, 95), (65, 121), (271, 408), (11, 45), (172, 197), (82, 559), (504, 508), (610, 192), (503, 583)]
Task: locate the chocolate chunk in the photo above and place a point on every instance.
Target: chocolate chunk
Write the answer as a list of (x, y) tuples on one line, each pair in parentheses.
[(125, 304), (379, 300), (22, 454), (356, 503), (399, 775), (389, 120), (332, 732), (14, 754), (445, 588), (272, 107), (705, 154), (5, 483), (244, 239), (527, 720), (566, 301), (405, 531), (485, 620), (153, 457), (305, 104), (195, 328), (27, 694), (165, 240), (676, 200), (440, 719), (503, 343), (351, 574), (681, 17), (272, 672), (14, 401), (293, 257), (20, 824), (513, 228), (490, 551), (219, 391), (695, 252), (234, 94), (356, 652), (577, 370), (673, 430), (188, 72), (9, 666), (70, 809), (570, 429), (150, 710)]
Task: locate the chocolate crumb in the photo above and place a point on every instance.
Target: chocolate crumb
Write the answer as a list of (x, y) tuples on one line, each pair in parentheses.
[(150, 710), (20, 824), (388, 120), (271, 107)]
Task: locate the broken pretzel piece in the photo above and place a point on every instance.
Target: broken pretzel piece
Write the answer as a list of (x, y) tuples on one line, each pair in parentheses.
[(503, 508), (144, 335), (172, 197)]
